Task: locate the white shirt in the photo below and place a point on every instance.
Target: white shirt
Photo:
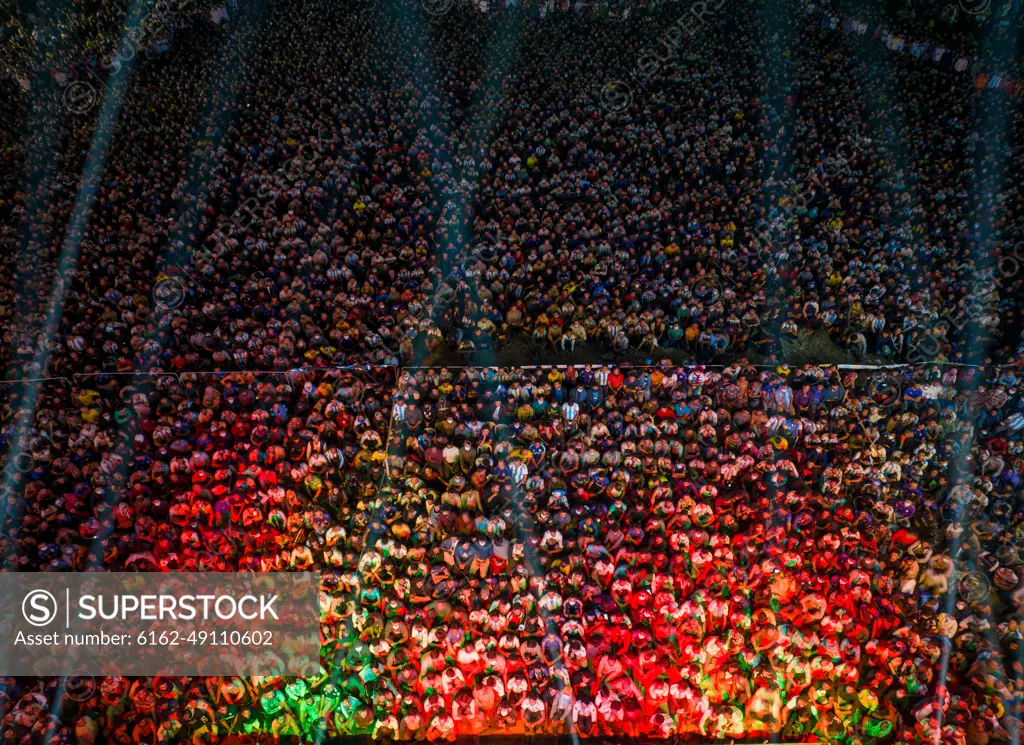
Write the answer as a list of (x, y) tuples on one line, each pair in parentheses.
[(519, 471)]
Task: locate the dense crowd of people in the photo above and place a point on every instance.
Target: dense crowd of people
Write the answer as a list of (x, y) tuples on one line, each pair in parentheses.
[(50, 35), (424, 192), (639, 551), (226, 289)]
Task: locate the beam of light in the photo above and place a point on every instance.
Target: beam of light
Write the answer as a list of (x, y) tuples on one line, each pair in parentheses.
[(423, 79), (525, 532), (498, 64), (95, 164), (92, 176), (878, 105), (29, 264), (776, 46), (85, 200), (103, 534), (40, 143), (996, 126)]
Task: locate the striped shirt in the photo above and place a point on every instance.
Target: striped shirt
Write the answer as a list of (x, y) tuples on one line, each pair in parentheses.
[(519, 470)]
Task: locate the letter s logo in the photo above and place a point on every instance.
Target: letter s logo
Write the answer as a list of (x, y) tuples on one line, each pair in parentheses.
[(39, 607)]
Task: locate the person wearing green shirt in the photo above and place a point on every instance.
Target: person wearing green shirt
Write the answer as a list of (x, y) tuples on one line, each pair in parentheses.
[(540, 407)]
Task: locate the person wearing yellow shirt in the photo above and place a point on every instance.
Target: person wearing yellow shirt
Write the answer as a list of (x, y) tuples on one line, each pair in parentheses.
[(87, 397)]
